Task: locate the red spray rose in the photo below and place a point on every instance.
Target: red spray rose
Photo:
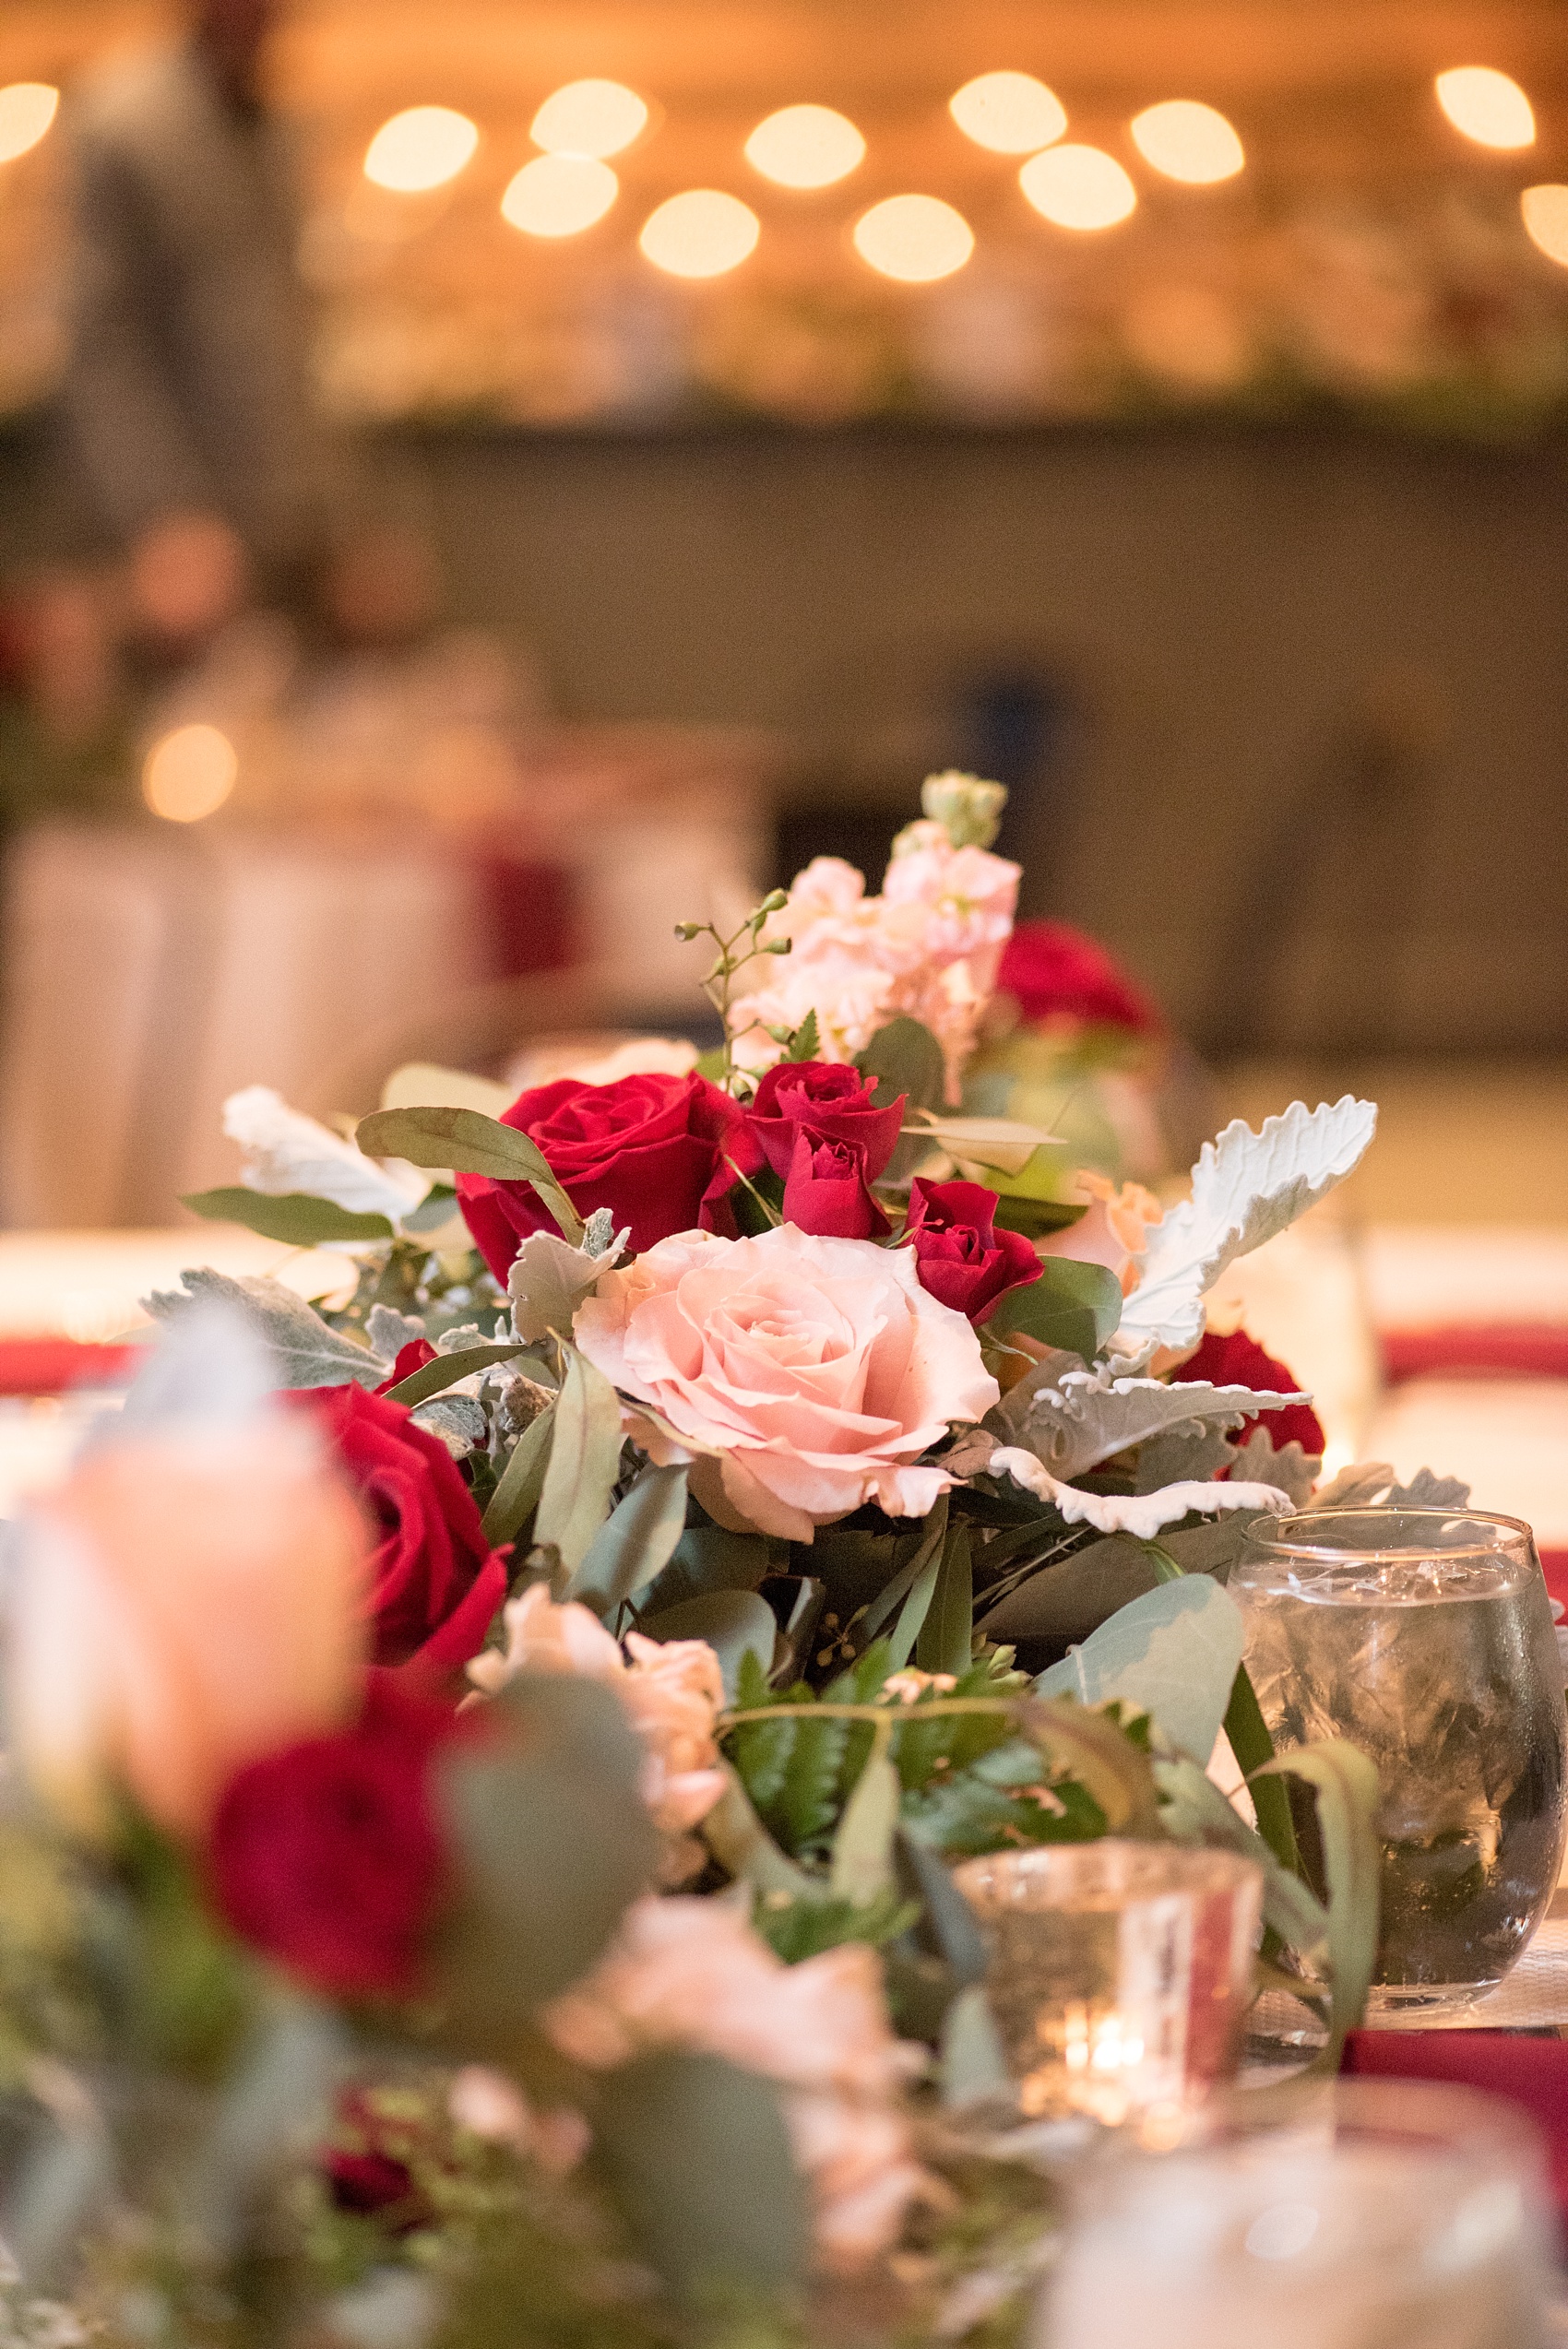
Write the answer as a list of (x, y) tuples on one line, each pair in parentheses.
[(1239, 1360), (834, 1102), (826, 1192), (961, 1258), (436, 1585), (1055, 971), (410, 1358), (327, 1855), (654, 1149)]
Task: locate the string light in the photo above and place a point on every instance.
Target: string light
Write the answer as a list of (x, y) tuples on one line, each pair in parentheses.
[(421, 148), (805, 147), (1487, 106), (700, 233), (1011, 114), (559, 194), (590, 118), (189, 774), (1078, 187), (27, 109), (1545, 214), (1188, 141), (914, 238)]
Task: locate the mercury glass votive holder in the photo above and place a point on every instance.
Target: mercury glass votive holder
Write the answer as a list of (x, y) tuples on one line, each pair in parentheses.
[(1120, 1972)]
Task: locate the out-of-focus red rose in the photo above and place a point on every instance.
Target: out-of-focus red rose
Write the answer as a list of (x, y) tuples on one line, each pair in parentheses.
[(826, 1191), (365, 2169), (1239, 1360), (830, 1100), (328, 1857), (1054, 971), (961, 1257), (410, 1358), (436, 1585), (654, 1149)]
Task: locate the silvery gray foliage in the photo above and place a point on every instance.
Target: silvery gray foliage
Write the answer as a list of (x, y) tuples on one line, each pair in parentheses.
[(303, 1350), (389, 1332), (458, 1340), (1372, 1484), (550, 1278), (210, 1372), (600, 1237), (1180, 1453), (458, 1420), (1006, 1419), (1293, 1468), (1089, 1415), (1246, 1187)]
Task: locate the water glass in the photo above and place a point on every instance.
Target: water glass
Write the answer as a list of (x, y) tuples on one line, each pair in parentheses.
[(1356, 2214), (1425, 1637), (1120, 1972)]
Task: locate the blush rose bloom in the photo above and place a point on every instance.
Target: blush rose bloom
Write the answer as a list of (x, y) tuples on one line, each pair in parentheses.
[(692, 1973), (805, 1375), (182, 1606)]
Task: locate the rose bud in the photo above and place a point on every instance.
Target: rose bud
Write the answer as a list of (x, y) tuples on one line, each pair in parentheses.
[(833, 1101), (961, 1257), (826, 1192)]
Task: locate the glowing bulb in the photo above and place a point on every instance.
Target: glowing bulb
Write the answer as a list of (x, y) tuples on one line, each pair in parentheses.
[(1544, 211), (1487, 106), (27, 109), (700, 233), (189, 774), (914, 238), (1078, 187), (1188, 141), (1011, 114), (590, 118), (559, 194), (805, 147), (420, 148)]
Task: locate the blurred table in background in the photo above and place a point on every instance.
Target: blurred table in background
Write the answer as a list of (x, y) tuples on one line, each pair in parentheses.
[(152, 969)]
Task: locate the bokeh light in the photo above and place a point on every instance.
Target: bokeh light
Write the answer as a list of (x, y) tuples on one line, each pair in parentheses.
[(27, 109), (421, 148), (590, 118), (700, 233), (559, 194), (189, 774), (1545, 213), (1011, 114), (1189, 141), (1487, 106), (805, 147), (1078, 187), (914, 238)]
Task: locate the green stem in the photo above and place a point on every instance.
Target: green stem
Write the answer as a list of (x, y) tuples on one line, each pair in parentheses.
[(921, 1709)]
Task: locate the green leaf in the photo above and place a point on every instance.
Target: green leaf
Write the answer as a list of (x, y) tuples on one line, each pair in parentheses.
[(805, 1043), (915, 1586), (447, 1369), (732, 1622), (1104, 1761), (545, 1818), (1194, 1812), (1174, 1653), (738, 1839), (585, 1460), (698, 2160), (1253, 1749), (947, 1925), (1073, 1307), (862, 1866), (905, 1057), (437, 1207), (635, 1543), (971, 2064), (469, 1143), (947, 1635), (1345, 1784), (517, 1496), (712, 1064), (295, 1217), (808, 1800), (796, 1930)]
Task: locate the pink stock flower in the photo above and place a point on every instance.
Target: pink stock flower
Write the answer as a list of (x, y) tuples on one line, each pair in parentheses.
[(692, 1973), (805, 1375)]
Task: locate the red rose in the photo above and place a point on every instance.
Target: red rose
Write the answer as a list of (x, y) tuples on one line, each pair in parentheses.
[(961, 1258), (410, 1358), (653, 1149), (826, 1192), (328, 1857), (1239, 1360), (437, 1585), (834, 1102), (366, 2171), (1053, 970)]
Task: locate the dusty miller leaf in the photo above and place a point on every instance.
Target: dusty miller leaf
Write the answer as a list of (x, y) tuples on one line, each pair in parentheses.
[(549, 1280), (303, 1350), (1089, 1415)]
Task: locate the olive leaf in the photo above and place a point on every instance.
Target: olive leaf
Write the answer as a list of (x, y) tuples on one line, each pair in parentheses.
[(861, 1868), (636, 1542), (448, 1369), (517, 1496), (947, 1636), (467, 1144), (296, 1218)]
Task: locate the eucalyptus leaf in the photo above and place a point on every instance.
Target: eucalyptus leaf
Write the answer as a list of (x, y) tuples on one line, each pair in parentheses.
[(861, 1868), (1072, 1307), (1172, 1653), (1195, 1811), (274, 2108), (709, 1558), (469, 1143), (517, 1496), (905, 1058), (585, 1460), (449, 1369), (1346, 1786), (910, 1591), (947, 1927), (303, 1350), (732, 1622), (435, 1211), (698, 2160), (292, 1216), (636, 1542), (971, 2061)]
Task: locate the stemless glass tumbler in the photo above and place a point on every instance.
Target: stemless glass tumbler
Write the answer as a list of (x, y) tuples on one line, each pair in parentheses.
[(1425, 1637)]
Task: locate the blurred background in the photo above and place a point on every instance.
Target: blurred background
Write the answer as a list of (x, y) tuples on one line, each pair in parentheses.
[(479, 483)]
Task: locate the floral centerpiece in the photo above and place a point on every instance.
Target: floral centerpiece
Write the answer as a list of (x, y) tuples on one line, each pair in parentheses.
[(488, 1755)]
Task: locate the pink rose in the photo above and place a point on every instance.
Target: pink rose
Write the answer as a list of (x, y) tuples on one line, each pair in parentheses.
[(806, 1375)]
